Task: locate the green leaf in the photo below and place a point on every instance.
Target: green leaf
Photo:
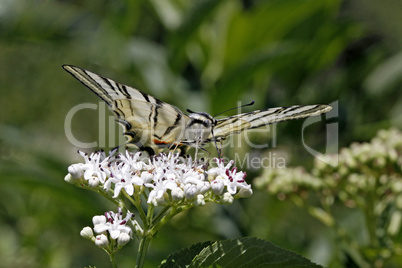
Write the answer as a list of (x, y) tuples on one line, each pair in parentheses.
[(184, 256), (239, 252)]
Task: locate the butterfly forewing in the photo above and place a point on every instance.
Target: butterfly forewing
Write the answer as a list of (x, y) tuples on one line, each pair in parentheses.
[(147, 121)]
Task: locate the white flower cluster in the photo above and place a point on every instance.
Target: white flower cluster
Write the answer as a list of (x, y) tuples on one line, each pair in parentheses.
[(287, 181), (111, 226), (363, 169), (166, 178)]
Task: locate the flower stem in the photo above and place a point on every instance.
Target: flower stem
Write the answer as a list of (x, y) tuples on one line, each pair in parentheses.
[(142, 251), (112, 259), (162, 221)]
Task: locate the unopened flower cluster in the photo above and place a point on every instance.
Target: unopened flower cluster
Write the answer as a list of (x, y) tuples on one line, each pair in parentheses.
[(288, 181), (361, 168), (165, 179), (367, 168), (366, 175)]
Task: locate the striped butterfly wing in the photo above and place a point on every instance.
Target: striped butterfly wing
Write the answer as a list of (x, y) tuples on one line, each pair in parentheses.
[(148, 123), (238, 123)]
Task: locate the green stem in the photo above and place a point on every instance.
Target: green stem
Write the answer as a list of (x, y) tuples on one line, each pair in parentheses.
[(172, 212), (150, 215), (142, 251), (137, 203), (113, 200), (112, 259), (160, 214)]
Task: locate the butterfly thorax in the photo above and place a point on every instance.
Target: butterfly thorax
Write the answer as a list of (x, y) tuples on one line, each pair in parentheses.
[(199, 128)]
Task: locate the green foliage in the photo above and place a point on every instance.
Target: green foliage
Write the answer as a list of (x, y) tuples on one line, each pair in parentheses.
[(240, 252), (204, 55), (366, 179)]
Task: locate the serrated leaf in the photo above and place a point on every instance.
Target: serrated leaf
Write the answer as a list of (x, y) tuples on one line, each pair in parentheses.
[(184, 257), (240, 252), (248, 252)]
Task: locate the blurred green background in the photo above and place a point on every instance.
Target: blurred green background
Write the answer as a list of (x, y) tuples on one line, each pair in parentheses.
[(204, 55)]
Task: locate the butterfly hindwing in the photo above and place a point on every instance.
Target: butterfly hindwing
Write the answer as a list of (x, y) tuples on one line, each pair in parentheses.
[(238, 123)]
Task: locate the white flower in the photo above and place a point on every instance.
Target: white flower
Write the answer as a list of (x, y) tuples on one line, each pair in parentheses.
[(92, 170), (165, 178), (122, 179), (228, 177), (113, 223), (235, 180), (221, 168), (94, 166), (133, 160)]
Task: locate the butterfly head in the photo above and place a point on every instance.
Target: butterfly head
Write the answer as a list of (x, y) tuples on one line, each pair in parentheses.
[(203, 119)]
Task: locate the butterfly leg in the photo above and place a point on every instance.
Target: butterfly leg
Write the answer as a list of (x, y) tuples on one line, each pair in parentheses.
[(220, 149), (173, 147), (196, 150)]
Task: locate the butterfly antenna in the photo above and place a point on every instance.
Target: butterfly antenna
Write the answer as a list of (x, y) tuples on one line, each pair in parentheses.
[(241, 106)]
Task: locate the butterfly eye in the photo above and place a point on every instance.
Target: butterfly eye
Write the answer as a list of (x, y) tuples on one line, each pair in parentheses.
[(207, 123)]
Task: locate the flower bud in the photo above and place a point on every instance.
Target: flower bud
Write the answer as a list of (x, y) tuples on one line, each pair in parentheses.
[(87, 233), (244, 192), (101, 241), (123, 239), (137, 228), (227, 198), (203, 187), (68, 178), (93, 182), (190, 191), (199, 200), (177, 194), (217, 187), (76, 170)]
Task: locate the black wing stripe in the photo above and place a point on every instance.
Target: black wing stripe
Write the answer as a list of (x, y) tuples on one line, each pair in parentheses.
[(175, 124), (146, 96), (259, 118), (123, 90), (155, 116), (87, 80)]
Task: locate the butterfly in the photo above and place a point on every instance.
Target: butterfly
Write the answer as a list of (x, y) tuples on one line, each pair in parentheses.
[(151, 124)]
